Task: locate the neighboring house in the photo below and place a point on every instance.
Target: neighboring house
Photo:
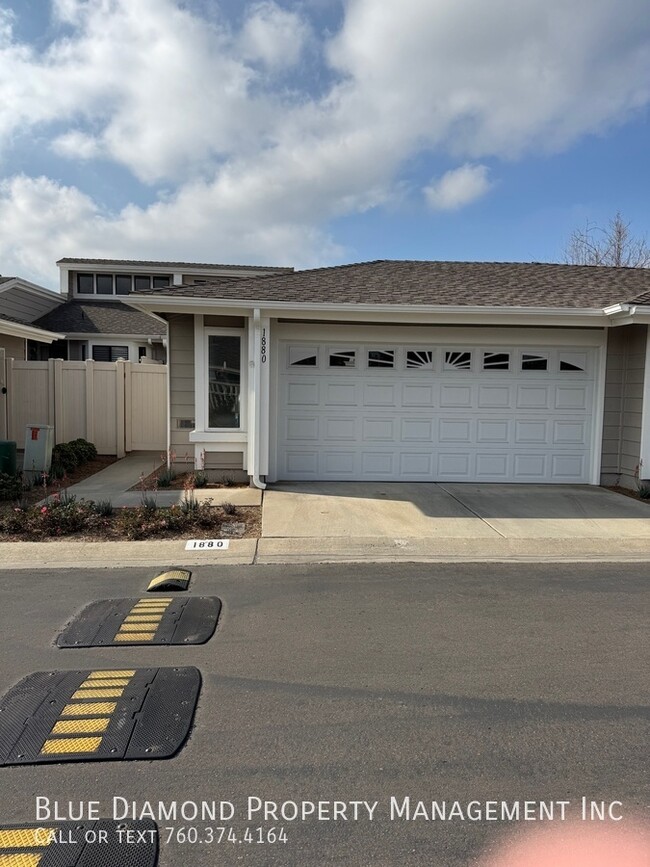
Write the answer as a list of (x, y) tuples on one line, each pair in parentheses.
[(413, 371), (96, 322), (21, 304)]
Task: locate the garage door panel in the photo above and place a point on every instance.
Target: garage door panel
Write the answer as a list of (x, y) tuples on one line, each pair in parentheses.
[(571, 397), (339, 463), (490, 467), (455, 430), (377, 429), (341, 394), (415, 465), (416, 430), (417, 395), (432, 424), (494, 397), (379, 394), (531, 431), (493, 431), (456, 396), (302, 393), (533, 396), (339, 428), (302, 428), (378, 464)]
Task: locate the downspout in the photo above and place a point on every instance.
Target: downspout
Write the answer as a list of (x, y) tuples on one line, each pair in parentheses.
[(257, 384)]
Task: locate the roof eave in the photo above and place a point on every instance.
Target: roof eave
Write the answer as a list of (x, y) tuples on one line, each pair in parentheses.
[(29, 332)]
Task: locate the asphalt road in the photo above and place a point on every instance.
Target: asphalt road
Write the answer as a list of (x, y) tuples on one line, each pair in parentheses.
[(362, 683)]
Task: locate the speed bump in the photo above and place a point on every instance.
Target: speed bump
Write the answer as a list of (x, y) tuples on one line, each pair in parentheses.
[(174, 579), (159, 620), (66, 716), (104, 843)]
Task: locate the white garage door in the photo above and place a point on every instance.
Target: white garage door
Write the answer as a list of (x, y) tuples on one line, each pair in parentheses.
[(434, 413)]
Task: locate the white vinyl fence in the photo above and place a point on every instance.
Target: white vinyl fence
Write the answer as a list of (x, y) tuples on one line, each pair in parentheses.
[(119, 406)]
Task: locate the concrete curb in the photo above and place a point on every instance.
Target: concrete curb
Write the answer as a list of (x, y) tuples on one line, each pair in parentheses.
[(246, 552), (108, 555)]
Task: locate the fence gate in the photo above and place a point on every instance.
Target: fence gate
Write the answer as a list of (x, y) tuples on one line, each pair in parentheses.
[(119, 406)]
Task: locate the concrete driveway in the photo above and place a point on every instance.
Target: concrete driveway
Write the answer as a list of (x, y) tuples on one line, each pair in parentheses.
[(456, 511)]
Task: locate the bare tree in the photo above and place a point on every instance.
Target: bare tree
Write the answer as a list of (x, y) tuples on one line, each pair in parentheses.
[(613, 246)]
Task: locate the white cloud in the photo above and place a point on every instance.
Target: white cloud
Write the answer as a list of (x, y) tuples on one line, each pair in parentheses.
[(458, 187), (273, 35), (253, 168)]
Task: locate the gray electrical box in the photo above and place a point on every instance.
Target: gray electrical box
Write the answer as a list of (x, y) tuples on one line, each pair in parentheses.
[(39, 441)]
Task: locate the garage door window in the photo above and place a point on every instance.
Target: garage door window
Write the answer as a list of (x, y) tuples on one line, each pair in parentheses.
[(342, 358), (532, 361), (381, 358), (421, 359), (496, 361), (574, 361), (457, 359), (303, 356)]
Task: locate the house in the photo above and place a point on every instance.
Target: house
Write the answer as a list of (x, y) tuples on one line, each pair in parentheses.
[(98, 325), (21, 304), (413, 371)]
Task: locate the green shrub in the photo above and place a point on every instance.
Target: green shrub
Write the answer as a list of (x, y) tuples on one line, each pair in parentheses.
[(200, 479), (11, 487), (66, 456), (229, 509), (644, 490), (104, 508), (57, 471), (84, 449), (165, 477)]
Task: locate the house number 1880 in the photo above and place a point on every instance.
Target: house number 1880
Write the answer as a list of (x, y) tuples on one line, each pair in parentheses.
[(263, 346)]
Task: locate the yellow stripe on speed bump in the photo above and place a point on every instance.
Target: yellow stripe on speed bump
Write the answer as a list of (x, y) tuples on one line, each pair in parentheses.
[(92, 708), (135, 636), (101, 684), (80, 726), (21, 859), (25, 838), (97, 693), (108, 673), (61, 746), (135, 627)]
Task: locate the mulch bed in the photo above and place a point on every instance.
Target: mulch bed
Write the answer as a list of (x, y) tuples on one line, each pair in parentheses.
[(35, 495), (182, 480), (627, 492)]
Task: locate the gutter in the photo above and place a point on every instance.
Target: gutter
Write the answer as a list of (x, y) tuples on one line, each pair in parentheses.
[(257, 384)]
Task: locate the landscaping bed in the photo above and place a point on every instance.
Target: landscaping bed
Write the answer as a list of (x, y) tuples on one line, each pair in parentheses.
[(168, 480), (67, 517)]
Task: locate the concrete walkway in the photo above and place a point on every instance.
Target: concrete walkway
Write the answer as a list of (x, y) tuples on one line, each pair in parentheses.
[(113, 483)]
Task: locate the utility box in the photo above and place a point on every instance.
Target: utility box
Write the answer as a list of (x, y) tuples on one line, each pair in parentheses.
[(39, 441)]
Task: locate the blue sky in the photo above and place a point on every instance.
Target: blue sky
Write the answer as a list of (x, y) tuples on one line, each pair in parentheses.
[(318, 132)]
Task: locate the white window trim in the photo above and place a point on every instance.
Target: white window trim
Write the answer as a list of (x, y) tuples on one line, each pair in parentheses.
[(202, 380)]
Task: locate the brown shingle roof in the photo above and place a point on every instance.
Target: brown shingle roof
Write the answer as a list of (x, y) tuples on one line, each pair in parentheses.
[(99, 317), (499, 284), (171, 265)]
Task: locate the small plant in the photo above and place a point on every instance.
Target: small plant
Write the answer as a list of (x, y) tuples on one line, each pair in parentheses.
[(200, 479), (644, 490), (104, 508), (189, 503), (57, 471), (228, 481), (229, 509), (148, 501), (165, 477)]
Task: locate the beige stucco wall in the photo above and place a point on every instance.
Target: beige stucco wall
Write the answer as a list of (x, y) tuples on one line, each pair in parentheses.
[(624, 385), (14, 347)]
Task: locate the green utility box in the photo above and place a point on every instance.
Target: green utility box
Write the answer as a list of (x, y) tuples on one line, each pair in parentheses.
[(8, 457)]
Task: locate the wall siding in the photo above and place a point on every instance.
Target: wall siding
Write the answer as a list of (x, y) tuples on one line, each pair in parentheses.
[(181, 367), (22, 305), (14, 347), (624, 385)]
